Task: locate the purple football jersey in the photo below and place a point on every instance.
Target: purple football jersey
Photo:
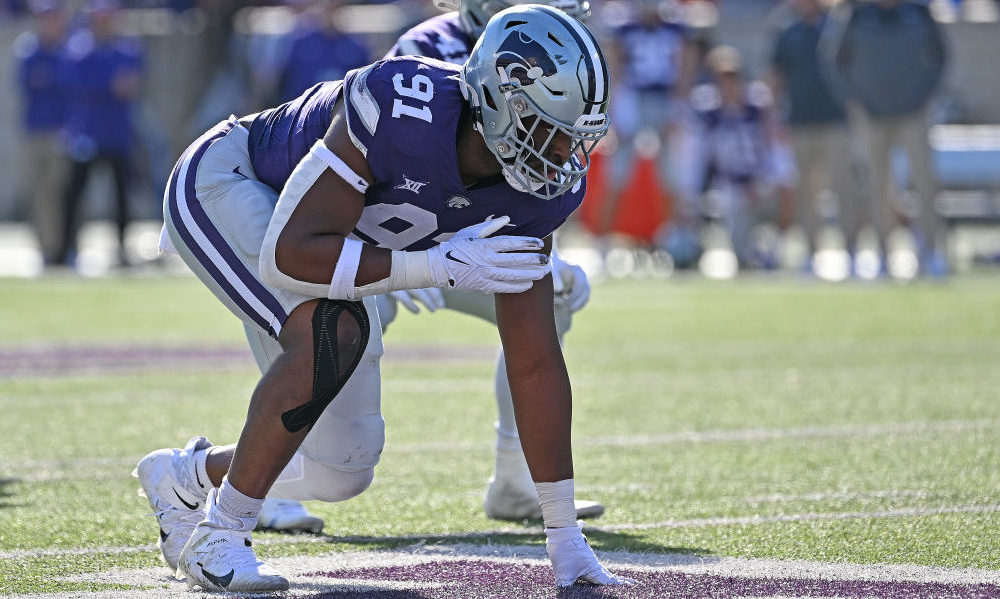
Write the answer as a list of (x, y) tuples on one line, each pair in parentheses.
[(403, 115), (281, 137), (440, 37)]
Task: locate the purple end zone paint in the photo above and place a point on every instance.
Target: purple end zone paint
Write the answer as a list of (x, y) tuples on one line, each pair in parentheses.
[(48, 361), (472, 579)]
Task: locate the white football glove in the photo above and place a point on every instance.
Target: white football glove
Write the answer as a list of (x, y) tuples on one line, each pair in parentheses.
[(570, 284), (573, 560), (431, 298), (473, 261)]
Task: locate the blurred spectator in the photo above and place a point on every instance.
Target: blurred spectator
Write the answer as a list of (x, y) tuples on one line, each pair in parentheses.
[(738, 136), (815, 120), (651, 59), (13, 7), (41, 67), (103, 87), (889, 58), (322, 52)]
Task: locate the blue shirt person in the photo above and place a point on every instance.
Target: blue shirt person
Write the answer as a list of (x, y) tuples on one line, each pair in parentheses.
[(323, 53), (104, 83), (41, 71)]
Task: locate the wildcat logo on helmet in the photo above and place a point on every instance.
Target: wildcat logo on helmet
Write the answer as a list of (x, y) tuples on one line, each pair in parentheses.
[(512, 59)]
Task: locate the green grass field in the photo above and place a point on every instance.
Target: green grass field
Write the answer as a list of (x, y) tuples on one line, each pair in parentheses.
[(756, 418)]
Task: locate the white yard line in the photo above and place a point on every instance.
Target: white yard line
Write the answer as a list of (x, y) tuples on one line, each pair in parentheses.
[(734, 435), (807, 517)]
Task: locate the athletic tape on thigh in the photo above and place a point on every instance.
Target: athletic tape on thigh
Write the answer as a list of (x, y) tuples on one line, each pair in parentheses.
[(328, 375)]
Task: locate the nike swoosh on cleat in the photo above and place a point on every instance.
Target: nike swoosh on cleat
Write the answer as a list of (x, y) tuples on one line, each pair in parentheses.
[(450, 257), (237, 171), (222, 581), (190, 506)]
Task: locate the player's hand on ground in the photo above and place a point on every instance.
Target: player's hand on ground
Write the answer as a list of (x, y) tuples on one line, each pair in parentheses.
[(431, 298), (574, 561), (570, 284), (473, 261)]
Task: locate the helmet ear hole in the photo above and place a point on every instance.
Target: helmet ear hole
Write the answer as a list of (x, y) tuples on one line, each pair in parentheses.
[(488, 98)]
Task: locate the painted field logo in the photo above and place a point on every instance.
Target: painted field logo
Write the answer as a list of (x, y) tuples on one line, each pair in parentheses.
[(481, 578)]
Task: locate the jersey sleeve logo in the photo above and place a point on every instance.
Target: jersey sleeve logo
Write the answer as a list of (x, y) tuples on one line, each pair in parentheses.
[(410, 185), (458, 202)]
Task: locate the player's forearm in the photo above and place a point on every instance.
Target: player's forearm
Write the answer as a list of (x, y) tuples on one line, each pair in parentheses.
[(543, 408), (313, 258), (543, 405)]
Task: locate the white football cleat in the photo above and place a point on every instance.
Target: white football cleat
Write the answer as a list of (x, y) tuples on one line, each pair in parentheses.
[(221, 559), (511, 494), (169, 482), (507, 502), (286, 515)]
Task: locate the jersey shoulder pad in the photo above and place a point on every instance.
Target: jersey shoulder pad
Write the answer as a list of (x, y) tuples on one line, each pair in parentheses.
[(440, 37), (400, 107)]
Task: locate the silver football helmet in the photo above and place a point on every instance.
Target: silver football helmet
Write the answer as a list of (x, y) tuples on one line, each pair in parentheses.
[(536, 81)]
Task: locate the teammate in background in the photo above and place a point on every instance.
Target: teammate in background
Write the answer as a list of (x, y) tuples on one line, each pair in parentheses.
[(510, 493), (283, 215), (738, 132), (654, 60), (41, 62)]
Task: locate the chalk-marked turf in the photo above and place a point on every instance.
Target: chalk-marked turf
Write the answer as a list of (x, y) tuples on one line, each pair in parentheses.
[(57, 469), (321, 574), (736, 435), (811, 517), (527, 530)]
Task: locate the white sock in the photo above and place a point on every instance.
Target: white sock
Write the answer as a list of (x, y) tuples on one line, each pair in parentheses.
[(507, 440), (231, 509)]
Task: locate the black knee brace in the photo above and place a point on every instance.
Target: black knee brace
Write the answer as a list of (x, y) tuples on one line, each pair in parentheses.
[(340, 336)]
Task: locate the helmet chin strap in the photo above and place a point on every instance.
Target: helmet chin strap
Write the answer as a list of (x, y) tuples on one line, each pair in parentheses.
[(517, 184)]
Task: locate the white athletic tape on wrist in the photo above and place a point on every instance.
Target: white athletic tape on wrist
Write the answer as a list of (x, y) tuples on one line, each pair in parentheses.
[(342, 284), (410, 270), (556, 501)]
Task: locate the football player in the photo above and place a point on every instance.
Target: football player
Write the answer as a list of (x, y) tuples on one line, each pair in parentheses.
[(399, 177), (742, 155), (510, 493)]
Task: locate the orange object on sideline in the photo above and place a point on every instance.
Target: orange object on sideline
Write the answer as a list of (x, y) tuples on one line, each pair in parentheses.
[(643, 205)]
